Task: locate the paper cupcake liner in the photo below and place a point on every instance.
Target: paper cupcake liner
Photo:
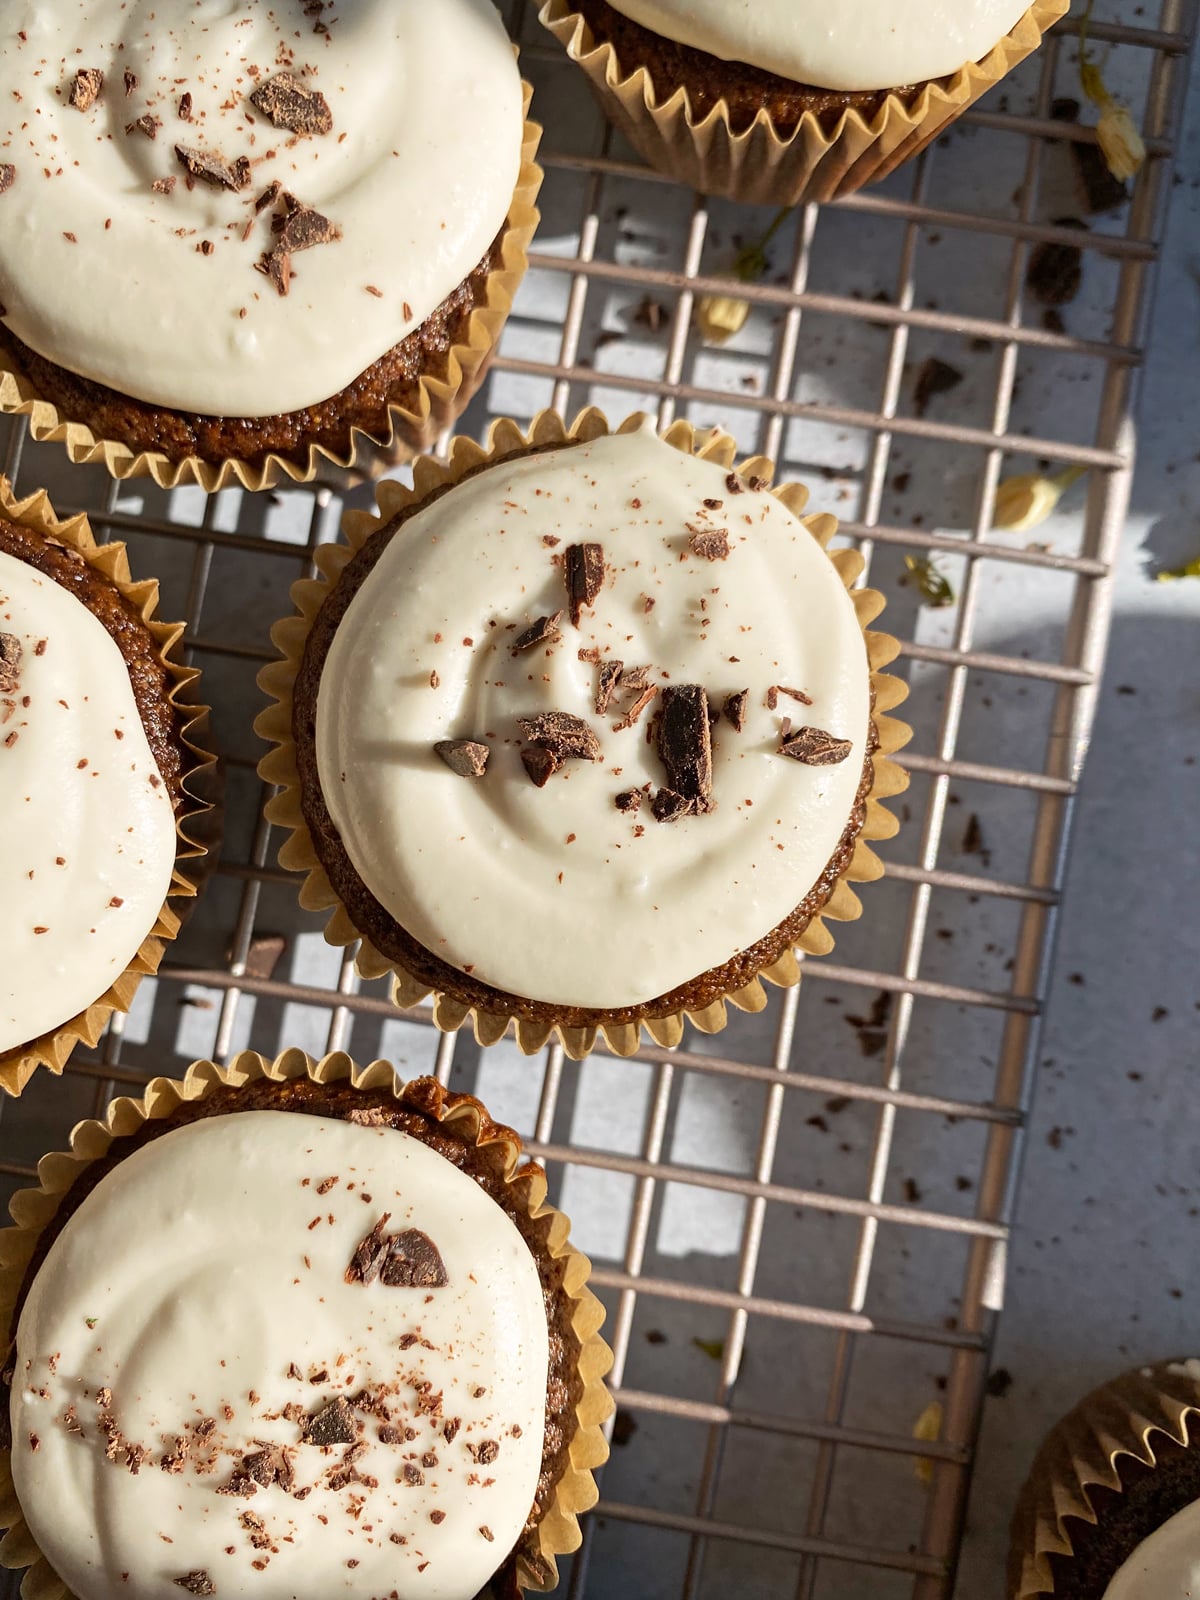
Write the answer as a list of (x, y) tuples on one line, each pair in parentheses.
[(442, 398), (197, 824), (558, 1531), (279, 766), (759, 165), (1135, 1417)]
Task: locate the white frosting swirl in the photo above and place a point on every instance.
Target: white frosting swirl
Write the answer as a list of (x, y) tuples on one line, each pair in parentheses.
[(87, 823), (1166, 1566), (851, 44), (553, 893), (103, 275), (205, 1278)]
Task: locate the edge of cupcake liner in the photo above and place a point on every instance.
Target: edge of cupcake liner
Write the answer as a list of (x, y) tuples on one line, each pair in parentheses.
[(197, 823), (1081, 1452), (441, 399), (278, 767), (32, 1209), (758, 165)]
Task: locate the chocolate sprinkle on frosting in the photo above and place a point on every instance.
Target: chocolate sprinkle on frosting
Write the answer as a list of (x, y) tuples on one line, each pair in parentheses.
[(87, 85), (466, 757), (814, 747), (333, 1424), (197, 1582), (568, 737), (542, 631), (208, 167), (291, 104), (583, 571), (711, 544), (10, 662), (735, 709), (685, 742)]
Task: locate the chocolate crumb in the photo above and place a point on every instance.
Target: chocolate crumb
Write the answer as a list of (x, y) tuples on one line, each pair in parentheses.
[(734, 709), (10, 662), (333, 1424), (711, 544), (487, 1533), (197, 1582), (583, 573), (185, 107), (131, 82), (208, 167), (87, 85), (8, 174), (629, 800), (814, 747), (465, 757), (734, 484), (542, 631), (164, 185), (567, 737), (485, 1452), (437, 1516), (610, 677), (268, 197), (148, 125), (413, 1475), (289, 103), (541, 765), (450, 1431), (667, 806)]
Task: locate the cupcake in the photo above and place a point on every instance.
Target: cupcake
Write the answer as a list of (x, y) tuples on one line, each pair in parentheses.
[(242, 240), (292, 1329), (789, 101), (1111, 1510), (105, 789), (583, 732)]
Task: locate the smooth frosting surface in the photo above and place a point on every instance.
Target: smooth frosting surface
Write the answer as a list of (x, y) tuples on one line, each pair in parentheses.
[(104, 275), (200, 1295), (87, 823), (553, 893), (1166, 1566), (852, 44)]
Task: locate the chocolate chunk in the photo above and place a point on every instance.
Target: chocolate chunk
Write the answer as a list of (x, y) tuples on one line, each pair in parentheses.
[(735, 709), (541, 765), (565, 736), (148, 125), (268, 197), (413, 1262), (208, 167), (685, 742), (197, 1582), (466, 757), (269, 1466), (413, 1475), (583, 572), (814, 747), (541, 632), (87, 85), (185, 108), (131, 82), (636, 709), (629, 800), (667, 806), (610, 677), (369, 1254), (277, 265), (10, 662), (300, 228), (289, 103), (734, 484), (485, 1452), (712, 544), (635, 679), (1055, 273), (333, 1424), (934, 377), (8, 175)]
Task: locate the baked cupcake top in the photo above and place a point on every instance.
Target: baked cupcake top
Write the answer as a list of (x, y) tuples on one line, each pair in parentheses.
[(237, 209), (85, 815), (338, 1387), (853, 44), (594, 720)]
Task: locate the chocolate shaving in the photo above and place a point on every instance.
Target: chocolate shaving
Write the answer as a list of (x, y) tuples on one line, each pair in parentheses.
[(131, 82), (289, 103), (541, 765), (540, 632), (185, 108), (583, 573), (610, 677), (685, 742), (10, 662), (635, 679), (794, 694), (668, 806), (413, 1262), (735, 709), (369, 1254), (629, 800), (8, 175), (197, 1582), (814, 747), (300, 228), (208, 167), (565, 736), (333, 1424), (635, 710), (466, 757), (277, 265), (711, 544), (87, 85), (268, 197)]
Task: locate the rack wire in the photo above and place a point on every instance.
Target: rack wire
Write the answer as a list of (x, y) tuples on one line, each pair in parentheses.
[(800, 1225)]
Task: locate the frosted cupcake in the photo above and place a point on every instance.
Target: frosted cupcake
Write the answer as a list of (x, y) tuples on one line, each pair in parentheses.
[(266, 234), (589, 739), (790, 100)]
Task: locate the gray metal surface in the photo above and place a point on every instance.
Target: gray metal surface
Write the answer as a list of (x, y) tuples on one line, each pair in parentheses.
[(799, 1225)]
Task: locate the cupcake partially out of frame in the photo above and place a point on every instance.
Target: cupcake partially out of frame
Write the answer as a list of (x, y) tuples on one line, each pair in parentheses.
[(785, 101), (584, 732), (290, 1328), (240, 242), (1111, 1510), (106, 788)]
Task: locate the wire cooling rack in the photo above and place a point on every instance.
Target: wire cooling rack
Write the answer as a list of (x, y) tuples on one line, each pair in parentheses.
[(800, 1225)]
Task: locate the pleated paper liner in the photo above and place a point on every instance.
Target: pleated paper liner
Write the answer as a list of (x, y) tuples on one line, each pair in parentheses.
[(443, 395), (279, 766), (558, 1531), (1128, 1425), (812, 163), (197, 823)]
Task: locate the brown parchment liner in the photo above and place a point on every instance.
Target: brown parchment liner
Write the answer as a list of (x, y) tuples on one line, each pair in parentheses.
[(441, 399), (1084, 1450), (197, 823), (558, 1531), (279, 767), (811, 163)]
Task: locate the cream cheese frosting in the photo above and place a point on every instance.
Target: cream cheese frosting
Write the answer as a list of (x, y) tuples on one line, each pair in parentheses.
[(87, 823), (853, 44), (554, 893), (196, 1310), (1166, 1566), (155, 293)]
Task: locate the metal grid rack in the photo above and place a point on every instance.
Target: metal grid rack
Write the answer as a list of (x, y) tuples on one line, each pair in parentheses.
[(800, 1225)]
